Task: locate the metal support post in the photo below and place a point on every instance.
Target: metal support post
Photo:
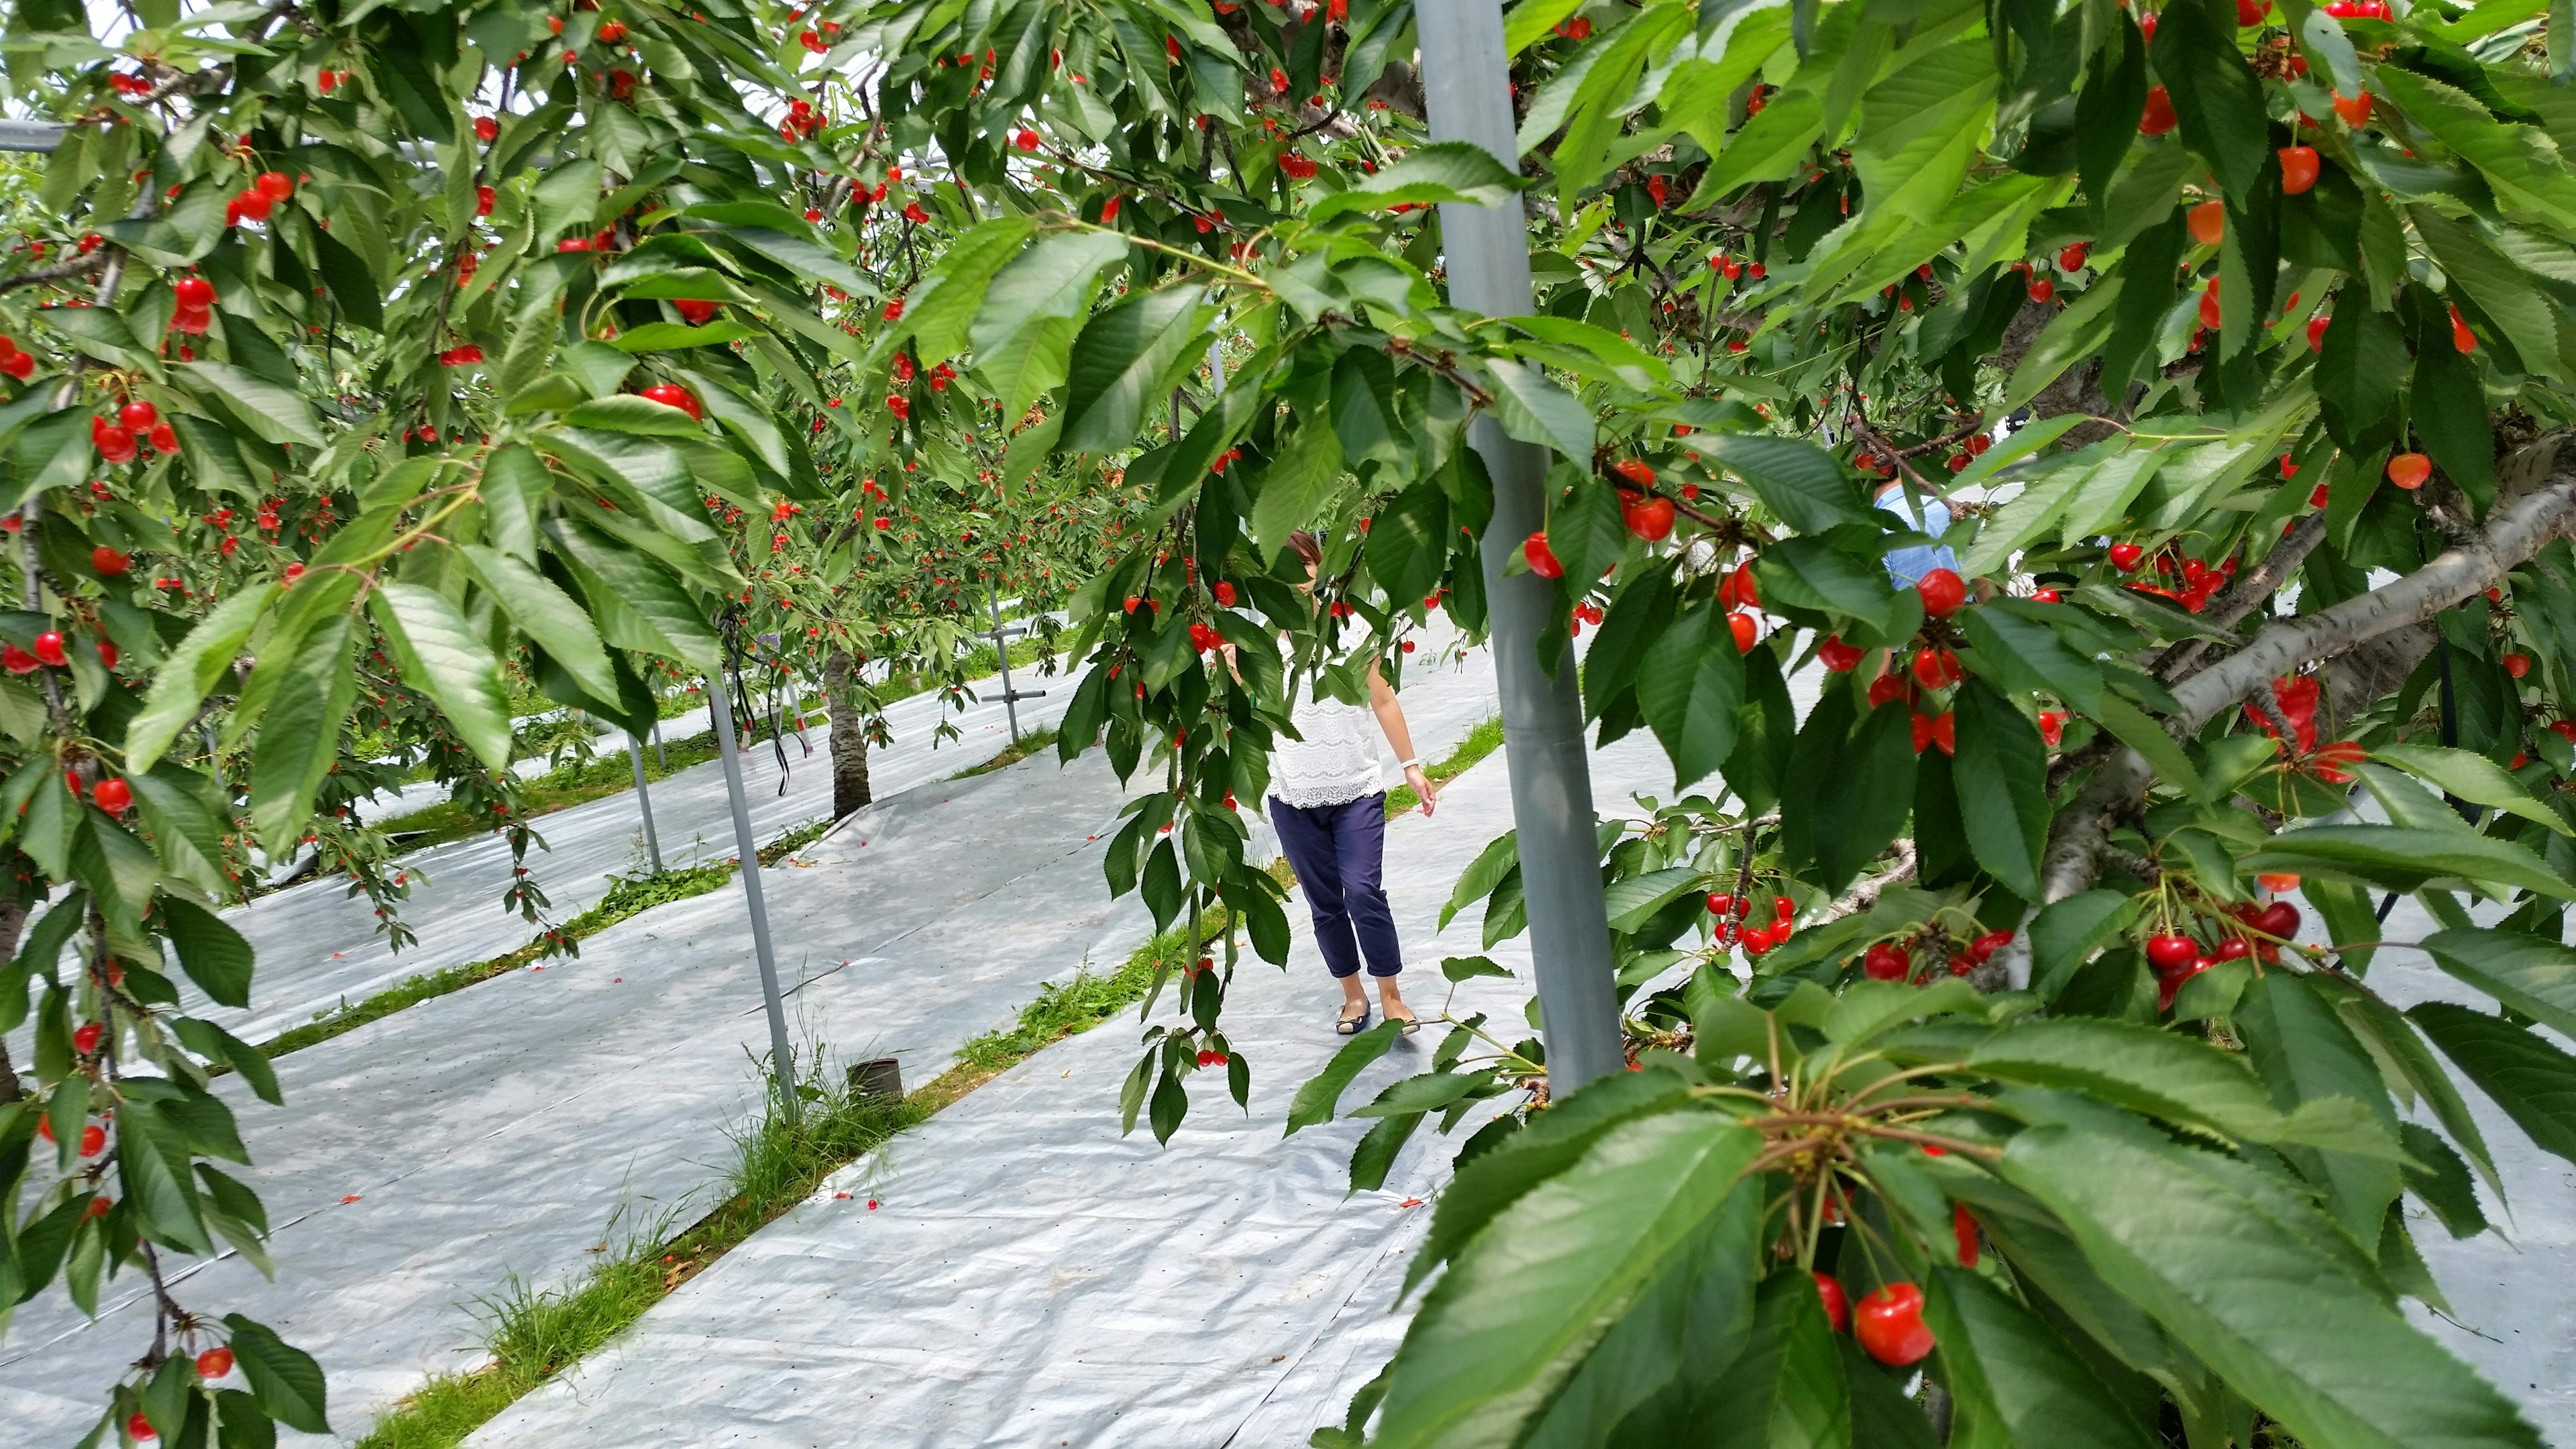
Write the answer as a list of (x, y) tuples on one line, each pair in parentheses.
[(644, 798), (659, 758), (1002, 636), (744, 841), (1467, 93)]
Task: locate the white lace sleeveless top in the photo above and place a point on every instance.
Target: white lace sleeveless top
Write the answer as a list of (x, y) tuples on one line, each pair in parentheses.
[(1335, 763)]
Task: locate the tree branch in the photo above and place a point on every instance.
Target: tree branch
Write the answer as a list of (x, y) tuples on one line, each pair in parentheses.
[(2513, 533)]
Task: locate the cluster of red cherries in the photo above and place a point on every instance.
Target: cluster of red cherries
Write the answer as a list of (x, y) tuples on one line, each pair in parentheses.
[(1894, 960), (16, 363), (2199, 580), (255, 201), (1889, 1326), (194, 311), (115, 438), (2256, 931), (1731, 910)]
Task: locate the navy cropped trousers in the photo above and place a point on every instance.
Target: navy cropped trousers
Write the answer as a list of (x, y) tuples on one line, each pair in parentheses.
[(1339, 854)]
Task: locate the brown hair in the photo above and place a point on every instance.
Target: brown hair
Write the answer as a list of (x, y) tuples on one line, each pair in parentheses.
[(1303, 544)]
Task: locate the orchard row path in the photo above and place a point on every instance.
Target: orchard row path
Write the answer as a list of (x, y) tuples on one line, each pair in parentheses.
[(517, 1128), (319, 947), (1032, 1277)]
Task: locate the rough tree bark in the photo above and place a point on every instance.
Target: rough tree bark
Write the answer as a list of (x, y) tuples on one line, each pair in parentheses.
[(849, 734), (13, 919)]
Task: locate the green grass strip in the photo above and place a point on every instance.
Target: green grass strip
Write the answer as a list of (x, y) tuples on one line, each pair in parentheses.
[(628, 896), (1030, 743), (535, 1334)]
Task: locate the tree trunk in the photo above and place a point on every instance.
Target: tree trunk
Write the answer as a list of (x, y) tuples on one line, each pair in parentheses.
[(13, 919), (849, 734)]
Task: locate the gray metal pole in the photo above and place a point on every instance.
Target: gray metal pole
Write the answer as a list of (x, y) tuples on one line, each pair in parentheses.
[(644, 798), (749, 845), (1467, 93), (659, 758), (1002, 650)]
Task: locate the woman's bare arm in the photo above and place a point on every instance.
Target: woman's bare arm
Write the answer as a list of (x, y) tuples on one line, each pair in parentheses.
[(1390, 718)]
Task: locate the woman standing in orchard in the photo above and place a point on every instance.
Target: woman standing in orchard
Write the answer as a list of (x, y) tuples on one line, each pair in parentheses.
[(1329, 806)]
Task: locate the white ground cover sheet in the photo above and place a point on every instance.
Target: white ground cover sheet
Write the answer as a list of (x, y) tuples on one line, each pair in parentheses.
[(517, 1126), (1032, 1277)]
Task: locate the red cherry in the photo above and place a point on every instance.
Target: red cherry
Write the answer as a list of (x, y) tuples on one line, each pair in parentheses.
[(138, 416), (112, 796), (1636, 471), (1838, 656), (139, 1427), (695, 310), (49, 649), (2043, 290), (2354, 110), (2462, 339), (2317, 332), (2159, 117), (1837, 1306), (193, 292), (1886, 961), (1984, 947), (2279, 919), (17, 660), (1942, 592), (1756, 940), (1542, 559), (2168, 954), (93, 1140), (2409, 470), (1936, 669), (1651, 520), (486, 129), (1719, 903), (2125, 556), (2208, 222), (2234, 948), (1783, 907), (214, 1363), (107, 653), (2298, 169), (2052, 727), (85, 1037), (108, 563), (2072, 258), (672, 395), (2043, 596), (1746, 631), (1964, 1228), (2517, 665), (1889, 1325)]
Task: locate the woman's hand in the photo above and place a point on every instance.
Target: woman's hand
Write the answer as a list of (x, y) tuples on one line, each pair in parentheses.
[(1420, 780)]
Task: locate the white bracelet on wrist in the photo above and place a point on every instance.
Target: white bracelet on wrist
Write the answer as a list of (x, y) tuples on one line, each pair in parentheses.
[(1412, 764)]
